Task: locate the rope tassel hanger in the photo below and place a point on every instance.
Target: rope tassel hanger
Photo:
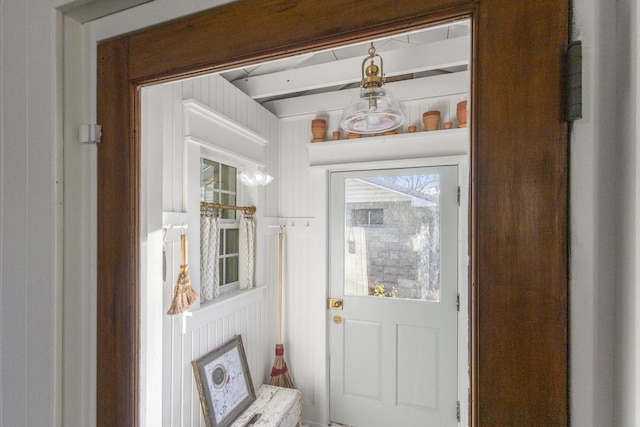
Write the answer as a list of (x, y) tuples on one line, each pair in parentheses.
[(183, 294)]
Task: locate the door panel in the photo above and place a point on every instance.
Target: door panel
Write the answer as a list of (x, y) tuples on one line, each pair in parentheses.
[(418, 347), (362, 367), (393, 345)]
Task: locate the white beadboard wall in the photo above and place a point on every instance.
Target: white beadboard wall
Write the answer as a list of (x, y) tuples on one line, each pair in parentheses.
[(30, 249), (250, 314)]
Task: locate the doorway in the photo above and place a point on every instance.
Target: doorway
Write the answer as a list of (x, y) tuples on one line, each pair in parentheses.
[(518, 194), (394, 285)]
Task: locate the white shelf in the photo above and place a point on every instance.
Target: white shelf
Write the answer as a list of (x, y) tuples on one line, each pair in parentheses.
[(406, 146)]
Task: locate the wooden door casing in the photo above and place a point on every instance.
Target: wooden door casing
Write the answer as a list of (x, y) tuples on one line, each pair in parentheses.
[(518, 213)]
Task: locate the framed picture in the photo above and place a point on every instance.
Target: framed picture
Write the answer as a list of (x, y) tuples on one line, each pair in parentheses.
[(224, 383)]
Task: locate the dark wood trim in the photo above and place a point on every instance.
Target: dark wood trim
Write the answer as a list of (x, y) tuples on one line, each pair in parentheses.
[(520, 244), (118, 304), (519, 327), (267, 28)]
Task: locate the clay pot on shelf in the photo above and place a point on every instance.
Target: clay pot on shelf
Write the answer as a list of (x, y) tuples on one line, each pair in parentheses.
[(412, 129), (390, 132), (336, 135), (461, 114), (351, 135), (318, 129), (431, 119), (447, 125)]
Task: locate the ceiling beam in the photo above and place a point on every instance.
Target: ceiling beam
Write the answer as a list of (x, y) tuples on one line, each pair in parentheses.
[(432, 56), (406, 90)]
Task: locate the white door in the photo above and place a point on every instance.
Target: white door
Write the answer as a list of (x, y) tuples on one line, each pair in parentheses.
[(393, 261)]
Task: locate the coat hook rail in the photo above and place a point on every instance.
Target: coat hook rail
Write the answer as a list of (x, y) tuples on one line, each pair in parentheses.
[(170, 226), (247, 210)]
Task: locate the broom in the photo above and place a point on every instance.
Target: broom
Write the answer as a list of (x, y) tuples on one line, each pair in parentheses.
[(183, 294), (280, 373)]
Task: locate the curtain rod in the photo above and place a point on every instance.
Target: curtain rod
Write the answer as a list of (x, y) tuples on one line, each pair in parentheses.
[(247, 210)]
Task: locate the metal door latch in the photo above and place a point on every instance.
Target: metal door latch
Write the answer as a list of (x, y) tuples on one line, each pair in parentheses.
[(334, 303)]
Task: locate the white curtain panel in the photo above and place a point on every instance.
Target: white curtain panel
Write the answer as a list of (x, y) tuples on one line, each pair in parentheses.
[(209, 253), (247, 252)]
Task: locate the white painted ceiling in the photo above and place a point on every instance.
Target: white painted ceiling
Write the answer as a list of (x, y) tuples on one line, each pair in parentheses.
[(341, 68)]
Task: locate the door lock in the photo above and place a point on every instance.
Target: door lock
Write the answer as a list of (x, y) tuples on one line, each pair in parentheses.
[(334, 303)]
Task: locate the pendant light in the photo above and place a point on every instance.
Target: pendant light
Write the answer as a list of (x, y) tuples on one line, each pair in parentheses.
[(374, 109)]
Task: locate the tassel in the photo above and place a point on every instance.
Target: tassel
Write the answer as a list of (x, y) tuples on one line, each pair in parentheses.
[(183, 293)]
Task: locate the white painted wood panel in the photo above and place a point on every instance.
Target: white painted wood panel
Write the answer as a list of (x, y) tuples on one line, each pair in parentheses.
[(250, 313), (362, 365), (417, 347), (78, 325), (207, 330), (29, 304), (413, 59)]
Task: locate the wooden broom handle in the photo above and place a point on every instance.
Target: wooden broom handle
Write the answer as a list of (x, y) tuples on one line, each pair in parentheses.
[(183, 251), (280, 236)]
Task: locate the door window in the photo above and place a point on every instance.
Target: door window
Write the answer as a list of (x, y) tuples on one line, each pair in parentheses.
[(392, 224)]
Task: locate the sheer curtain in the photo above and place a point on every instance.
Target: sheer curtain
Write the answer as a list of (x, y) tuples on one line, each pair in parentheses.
[(209, 253), (247, 251)]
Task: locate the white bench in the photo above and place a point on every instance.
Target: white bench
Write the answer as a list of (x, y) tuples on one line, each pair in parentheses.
[(273, 407)]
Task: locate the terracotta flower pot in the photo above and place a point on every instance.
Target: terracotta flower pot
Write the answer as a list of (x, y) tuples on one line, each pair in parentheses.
[(461, 114), (412, 129), (318, 128), (336, 135), (318, 132), (431, 119)]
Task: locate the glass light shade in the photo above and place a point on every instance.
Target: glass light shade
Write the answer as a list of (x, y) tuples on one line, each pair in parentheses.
[(373, 110), (254, 179)]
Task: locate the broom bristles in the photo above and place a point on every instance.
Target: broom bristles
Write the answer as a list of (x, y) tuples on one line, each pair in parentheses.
[(183, 294), (280, 373)]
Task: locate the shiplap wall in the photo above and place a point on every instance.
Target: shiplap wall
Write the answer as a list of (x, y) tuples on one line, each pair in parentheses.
[(30, 251), (249, 314)]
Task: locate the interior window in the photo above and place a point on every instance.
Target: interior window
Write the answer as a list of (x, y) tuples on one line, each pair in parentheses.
[(218, 184)]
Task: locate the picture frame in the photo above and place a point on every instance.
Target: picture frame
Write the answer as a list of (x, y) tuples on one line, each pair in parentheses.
[(224, 383)]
